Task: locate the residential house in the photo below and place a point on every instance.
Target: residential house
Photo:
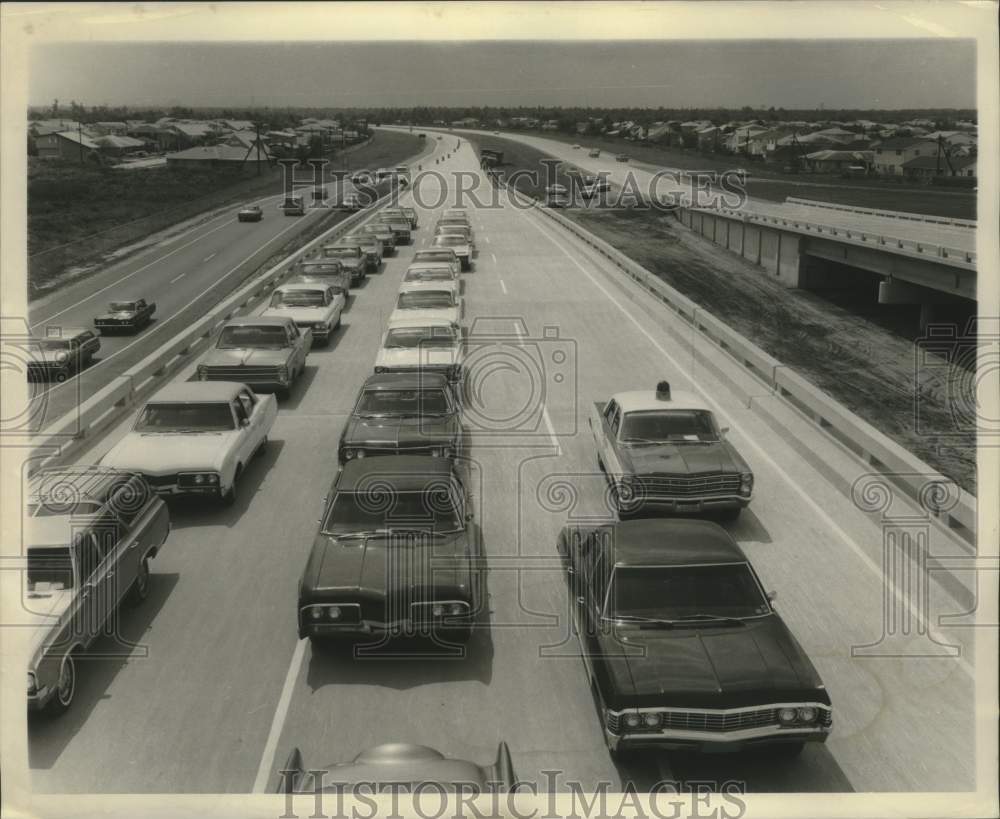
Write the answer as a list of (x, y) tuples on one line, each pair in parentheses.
[(109, 128), (964, 165), (67, 145), (211, 155), (834, 161), (892, 154), (117, 146), (43, 127), (551, 125)]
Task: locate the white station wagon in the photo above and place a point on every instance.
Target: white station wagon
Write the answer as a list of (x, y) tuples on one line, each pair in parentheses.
[(196, 438), (428, 300), (317, 306), (414, 345)]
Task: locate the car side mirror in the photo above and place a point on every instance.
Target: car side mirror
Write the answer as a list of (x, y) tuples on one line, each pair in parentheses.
[(724, 430), (244, 422), (772, 596)]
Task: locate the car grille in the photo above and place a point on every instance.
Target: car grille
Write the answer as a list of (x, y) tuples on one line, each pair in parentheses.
[(654, 487), (161, 480), (242, 374), (715, 721)]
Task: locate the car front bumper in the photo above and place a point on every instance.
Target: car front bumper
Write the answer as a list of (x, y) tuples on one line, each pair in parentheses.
[(41, 698), (715, 742), (688, 506)]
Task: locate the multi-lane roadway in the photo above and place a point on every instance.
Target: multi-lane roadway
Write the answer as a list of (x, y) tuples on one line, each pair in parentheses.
[(219, 689)]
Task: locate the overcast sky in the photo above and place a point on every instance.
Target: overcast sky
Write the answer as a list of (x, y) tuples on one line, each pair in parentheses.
[(790, 74)]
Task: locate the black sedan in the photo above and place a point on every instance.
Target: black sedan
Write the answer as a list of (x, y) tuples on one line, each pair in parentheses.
[(251, 213), (127, 316), (398, 553), (681, 643), (403, 414), (401, 766)]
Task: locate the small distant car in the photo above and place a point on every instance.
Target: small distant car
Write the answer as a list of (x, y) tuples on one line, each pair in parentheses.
[(621, 158), (663, 451), (351, 257), (556, 190), (251, 213), (311, 306), (355, 585), (56, 358), (459, 244), (371, 247), (594, 153), (196, 438), (361, 177), (266, 353), (384, 235), (575, 147), (422, 345), (128, 316), (396, 763), (89, 535), (558, 201), (427, 300), (399, 225), (293, 206), (403, 414), (681, 643), (495, 133), (438, 255)]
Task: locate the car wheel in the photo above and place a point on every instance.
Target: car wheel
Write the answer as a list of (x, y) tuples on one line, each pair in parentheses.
[(61, 376), (65, 685), (140, 588), (261, 446)]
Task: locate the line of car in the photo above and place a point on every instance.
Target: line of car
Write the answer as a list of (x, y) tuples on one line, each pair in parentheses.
[(682, 646)]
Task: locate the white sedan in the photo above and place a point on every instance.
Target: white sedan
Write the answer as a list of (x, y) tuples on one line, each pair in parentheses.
[(429, 345), (196, 438), (317, 306), (428, 300)]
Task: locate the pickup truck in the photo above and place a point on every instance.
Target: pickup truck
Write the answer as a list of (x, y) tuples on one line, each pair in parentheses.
[(89, 535), (128, 316), (267, 353)]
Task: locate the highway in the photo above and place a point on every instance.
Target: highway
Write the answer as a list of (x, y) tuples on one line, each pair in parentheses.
[(221, 689), (184, 274), (954, 236)]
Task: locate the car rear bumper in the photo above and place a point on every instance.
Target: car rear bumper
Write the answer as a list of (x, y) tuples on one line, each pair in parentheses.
[(398, 628)]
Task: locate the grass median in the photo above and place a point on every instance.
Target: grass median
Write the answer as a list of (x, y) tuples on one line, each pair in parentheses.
[(861, 353)]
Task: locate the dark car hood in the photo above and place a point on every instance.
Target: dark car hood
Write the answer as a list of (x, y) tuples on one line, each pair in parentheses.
[(401, 431), (715, 666), (246, 356), (374, 566), (681, 459)]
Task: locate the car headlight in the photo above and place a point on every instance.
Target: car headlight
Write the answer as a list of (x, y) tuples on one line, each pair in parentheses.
[(348, 454), (32, 683), (202, 372), (198, 479), (746, 484), (651, 720), (807, 714), (633, 720), (786, 716), (436, 452), (437, 610), (359, 453), (333, 612), (283, 375), (315, 612), (379, 370), (455, 609)]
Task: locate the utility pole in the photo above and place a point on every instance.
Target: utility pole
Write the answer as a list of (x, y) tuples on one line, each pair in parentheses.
[(79, 136)]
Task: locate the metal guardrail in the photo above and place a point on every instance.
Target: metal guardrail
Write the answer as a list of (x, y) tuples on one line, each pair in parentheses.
[(888, 214), (74, 429), (915, 478), (953, 256)]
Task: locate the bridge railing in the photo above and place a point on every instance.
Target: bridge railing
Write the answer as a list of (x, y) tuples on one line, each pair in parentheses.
[(888, 214)]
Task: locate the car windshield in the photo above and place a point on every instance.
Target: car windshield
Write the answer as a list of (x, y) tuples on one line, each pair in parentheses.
[(434, 256), (215, 416), (378, 510), (342, 252), (122, 306), (675, 426), (403, 403), (727, 590), (429, 274), (240, 336), (412, 337), (424, 299), (55, 344), (331, 266), (297, 298), (49, 567), (449, 240)]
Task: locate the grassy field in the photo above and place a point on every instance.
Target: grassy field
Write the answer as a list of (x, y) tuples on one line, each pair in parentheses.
[(766, 182), (857, 358), (77, 213)]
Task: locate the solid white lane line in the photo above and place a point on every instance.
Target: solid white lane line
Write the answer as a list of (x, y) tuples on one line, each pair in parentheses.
[(820, 513), (280, 715), (193, 301), (494, 257), (503, 287), (545, 410), (178, 278)]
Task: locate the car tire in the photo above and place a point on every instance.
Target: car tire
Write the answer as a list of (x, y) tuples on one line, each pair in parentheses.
[(140, 587), (65, 685)]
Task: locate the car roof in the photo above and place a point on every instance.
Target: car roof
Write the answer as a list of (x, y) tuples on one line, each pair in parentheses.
[(429, 266), (418, 322), (66, 333), (290, 285), (415, 287), (434, 250), (83, 483), (406, 381), (258, 321), (408, 473), (126, 298), (197, 391), (673, 542), (639, 400)]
